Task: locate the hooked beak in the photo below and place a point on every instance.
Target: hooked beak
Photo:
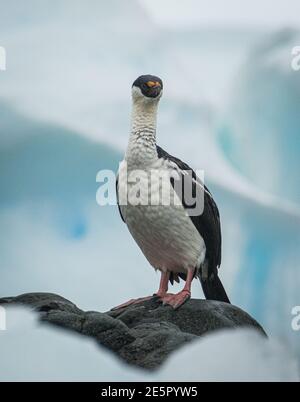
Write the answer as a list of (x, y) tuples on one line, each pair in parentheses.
[(152, 84), (154, 88)]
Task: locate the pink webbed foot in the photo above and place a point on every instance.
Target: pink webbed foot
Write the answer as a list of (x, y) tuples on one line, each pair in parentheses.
[(131, 302), (162, 295), (177, 300)]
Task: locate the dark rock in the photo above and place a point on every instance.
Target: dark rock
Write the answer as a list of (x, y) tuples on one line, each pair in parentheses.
[(143, 334)]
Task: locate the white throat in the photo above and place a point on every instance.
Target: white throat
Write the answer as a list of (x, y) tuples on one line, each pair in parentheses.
[(141, 148)]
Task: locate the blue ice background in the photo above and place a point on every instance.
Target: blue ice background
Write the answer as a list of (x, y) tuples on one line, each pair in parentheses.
[(64, 116)]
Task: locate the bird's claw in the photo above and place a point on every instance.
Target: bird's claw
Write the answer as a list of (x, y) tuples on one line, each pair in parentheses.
[(176, 300)]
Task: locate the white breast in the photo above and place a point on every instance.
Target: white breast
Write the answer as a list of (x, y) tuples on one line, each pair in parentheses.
[(165, 233)]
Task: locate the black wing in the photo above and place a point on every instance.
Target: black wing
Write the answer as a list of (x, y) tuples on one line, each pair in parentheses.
[(117, 193), (208, 223)]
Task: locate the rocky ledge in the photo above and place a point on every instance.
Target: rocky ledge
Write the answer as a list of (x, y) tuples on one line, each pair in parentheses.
[(144, 334)]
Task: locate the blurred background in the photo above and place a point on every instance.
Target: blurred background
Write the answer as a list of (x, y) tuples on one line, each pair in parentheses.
[(231, 106)]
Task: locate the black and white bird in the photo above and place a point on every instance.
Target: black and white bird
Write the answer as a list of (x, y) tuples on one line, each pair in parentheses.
[(175, 242)]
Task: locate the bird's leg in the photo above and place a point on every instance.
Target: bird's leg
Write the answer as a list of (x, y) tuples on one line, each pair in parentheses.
[(163, 285), (162, 291), (185, 294)]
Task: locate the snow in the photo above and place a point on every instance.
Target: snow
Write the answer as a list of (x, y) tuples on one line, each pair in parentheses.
[(233, 356), (33, 351)]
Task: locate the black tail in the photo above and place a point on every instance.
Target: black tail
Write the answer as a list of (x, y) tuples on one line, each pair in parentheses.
[(213, 289)]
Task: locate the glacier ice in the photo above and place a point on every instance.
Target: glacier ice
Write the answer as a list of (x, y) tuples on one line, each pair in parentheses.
[(259, 132), (66, 116)]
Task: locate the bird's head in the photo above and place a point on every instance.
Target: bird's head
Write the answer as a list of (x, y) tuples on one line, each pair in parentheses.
[(147, 88)]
